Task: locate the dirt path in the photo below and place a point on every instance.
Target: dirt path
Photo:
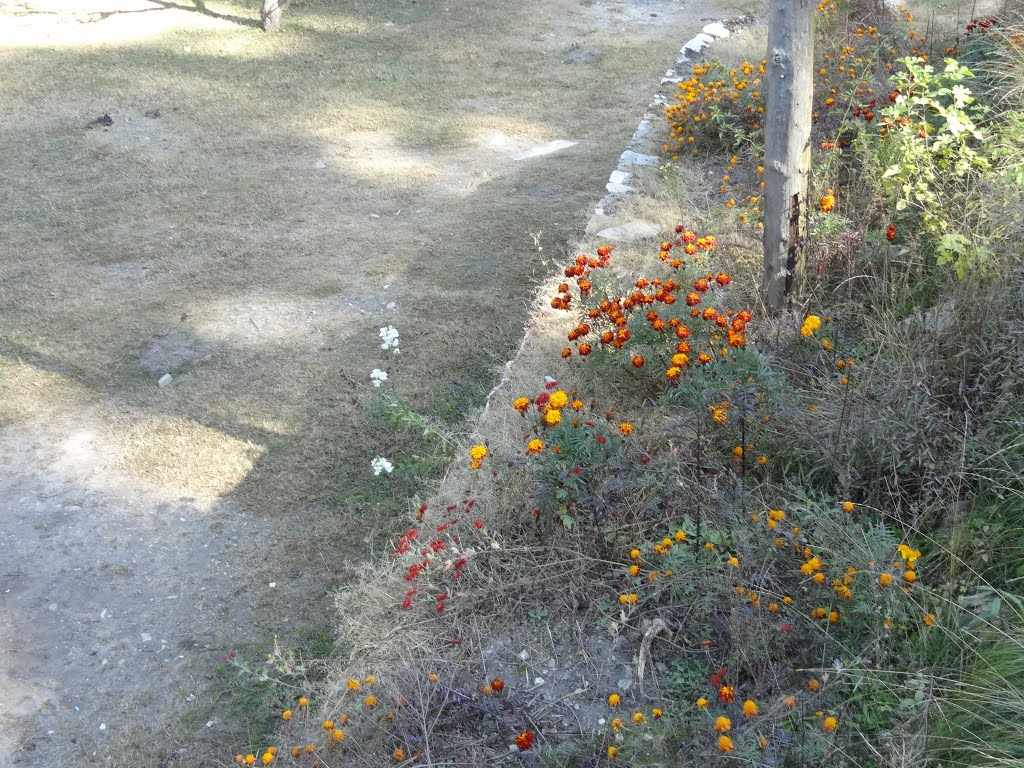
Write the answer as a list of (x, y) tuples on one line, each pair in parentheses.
[(251, 244)]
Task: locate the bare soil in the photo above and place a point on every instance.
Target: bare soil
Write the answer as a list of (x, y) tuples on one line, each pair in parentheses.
[(256, 208)]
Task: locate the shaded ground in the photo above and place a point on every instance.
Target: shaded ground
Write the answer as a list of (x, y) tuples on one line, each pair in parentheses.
[(254, 209)]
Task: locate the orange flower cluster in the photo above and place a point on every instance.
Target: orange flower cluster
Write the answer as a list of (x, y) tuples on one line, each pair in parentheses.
[(698, 333)]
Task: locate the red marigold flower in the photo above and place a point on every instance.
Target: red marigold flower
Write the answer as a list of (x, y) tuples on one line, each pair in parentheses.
[(688, 237), (525, 739), (701, 285), (584, 349), (638, 361), (723, 279), (890, 233), (542, 399), (497, 685), (604, 251), (566, 352), (692, 299), (709, 313), (727, 694)]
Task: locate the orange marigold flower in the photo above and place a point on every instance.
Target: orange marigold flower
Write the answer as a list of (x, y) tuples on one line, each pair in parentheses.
[(398, 755), (625, 428), (750, 708), (656, 713), (250, 760), (639, 718), (525, 740), (910, 577), (930, 619), (828, 201), (535, 446), (521, 404), (673, 373), (702, 703), (813, 684), (723, 724), (613, 752), (638, 361), (724, 744), (286, 715), (566, 352), (585, 349), (614, 700), (303, 701), (726, 693), (830, 724)]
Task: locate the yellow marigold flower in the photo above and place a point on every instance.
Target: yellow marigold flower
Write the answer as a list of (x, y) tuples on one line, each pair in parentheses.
[(787, 599), (750, 708), (929, 619), (250, 760), (724, 744), (639, 718), (738, 451), (812, 565), (762, 460), (577, 405), (552, 416), (813, 684), (790, 701), (338, 734), (833, 617), (521, 404), (433, 677), (625, 428), (618, 724), (354, 685), (910, 577), (776, 514), (773, 607), (634, 554), (680, 536), (819, 613), (303, 701), (656, 713), (849, 506), (723, 724), (296, 752), (328, 725), (535, 446), (286, 715), (477, 452), (614, 700), (398, 755), (370, 701), (268, 758), (709, 545), (558, 399), (702, 703), (370, 680), (830, 724), (613, 752), (819, 578), (733, 562), (310, 749), (634, 570)]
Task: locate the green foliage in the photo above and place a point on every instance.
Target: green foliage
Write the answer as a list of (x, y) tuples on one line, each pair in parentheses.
[(940, 147)]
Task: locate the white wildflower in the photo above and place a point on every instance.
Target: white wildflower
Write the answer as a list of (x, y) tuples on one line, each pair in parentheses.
[(378, 377), (380, 464), (389, 338)]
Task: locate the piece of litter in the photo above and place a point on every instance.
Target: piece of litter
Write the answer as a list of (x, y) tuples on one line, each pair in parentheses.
[(165, 380), (546, 149), (209, 723), (273, 584), (103, 726), (146, 637)]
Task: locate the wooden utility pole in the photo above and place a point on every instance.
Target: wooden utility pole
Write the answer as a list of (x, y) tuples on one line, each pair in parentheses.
[(271, 14), (787, 134)]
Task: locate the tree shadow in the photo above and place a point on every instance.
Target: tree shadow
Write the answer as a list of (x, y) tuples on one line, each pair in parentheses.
[(198, 6)]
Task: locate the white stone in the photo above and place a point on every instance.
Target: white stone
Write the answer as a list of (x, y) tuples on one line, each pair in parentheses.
[(146, 637), (524, 655), (630, 231), (618, 189), (698, 43), (319, 165), (716, 29), (619, 177), (165, 380)]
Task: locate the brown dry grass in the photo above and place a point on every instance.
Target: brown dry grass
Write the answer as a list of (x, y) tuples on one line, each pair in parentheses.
[(213, 220)]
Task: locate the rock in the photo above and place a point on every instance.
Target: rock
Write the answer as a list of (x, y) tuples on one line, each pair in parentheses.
[(630, 231), (319, 165), (165, 380), (629, 157), (624, 684), (524, 655)]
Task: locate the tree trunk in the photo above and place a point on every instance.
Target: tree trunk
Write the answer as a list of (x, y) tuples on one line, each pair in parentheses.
[(790, 84), (272, 14)]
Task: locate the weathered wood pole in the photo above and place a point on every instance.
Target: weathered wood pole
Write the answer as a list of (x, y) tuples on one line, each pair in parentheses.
[(271, 14), (787, 135)]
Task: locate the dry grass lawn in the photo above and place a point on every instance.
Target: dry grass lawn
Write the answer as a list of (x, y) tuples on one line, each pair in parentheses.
[(259, 200)]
